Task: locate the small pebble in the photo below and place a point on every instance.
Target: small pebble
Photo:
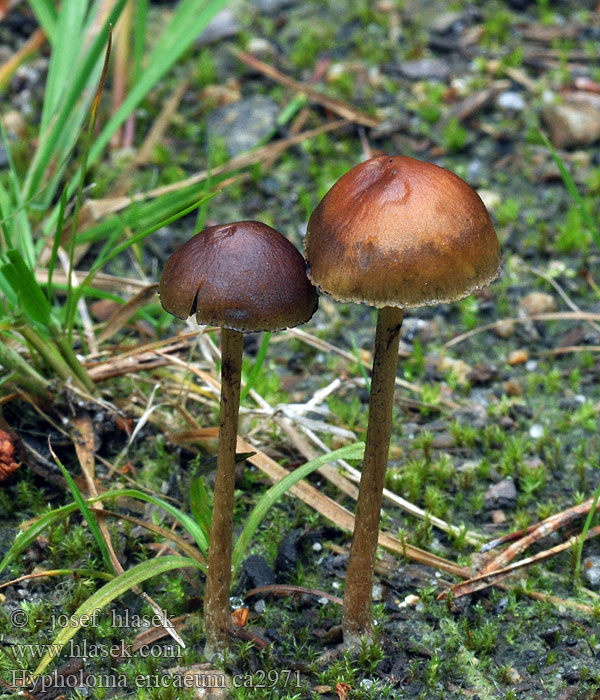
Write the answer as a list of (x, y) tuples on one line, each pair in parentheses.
[(513, 676), (501, 495), (222, 26), (504, 329), (410, 601), (14, 123), (512, 101), (450, 365), (536, 431), (243, 124), (530, 365), (261, 48), (534, 463), (537, 303), (518, 357), (317, 547), (425, 69), (575, 121), (512, 387), (591, 570)]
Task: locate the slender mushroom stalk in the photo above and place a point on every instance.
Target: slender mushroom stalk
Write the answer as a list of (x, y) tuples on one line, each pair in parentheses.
[(245, 277), (217, 616), (394, 233), (357, 619)]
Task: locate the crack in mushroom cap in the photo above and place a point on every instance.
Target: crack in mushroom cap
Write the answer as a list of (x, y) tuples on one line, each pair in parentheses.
[(245, 276), (395, 231)]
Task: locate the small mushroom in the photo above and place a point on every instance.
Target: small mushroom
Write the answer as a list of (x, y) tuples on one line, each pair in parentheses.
[(393, 233), (244, 277)]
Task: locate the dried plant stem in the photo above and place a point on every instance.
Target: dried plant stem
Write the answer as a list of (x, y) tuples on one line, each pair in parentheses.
[(357, 620), (217, 615)]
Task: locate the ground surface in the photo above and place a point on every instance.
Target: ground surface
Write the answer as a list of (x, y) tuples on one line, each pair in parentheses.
[(514, 408)]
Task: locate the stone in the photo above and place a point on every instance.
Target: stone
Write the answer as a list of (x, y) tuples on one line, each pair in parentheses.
[(244, 124), (220, 95), (511, 101), (575, 121), (537, 303), (511, 387), (413, 328), (377, 591), (222, 26), (501, 495), (476, 171), (518, 357), (536, 431), (482, 373), (425, 69), (256, 572), (286, 561), (505, 329), (445, 22), (591, 570), (270, 7), (459, 368), (14, 123), (261, 48)]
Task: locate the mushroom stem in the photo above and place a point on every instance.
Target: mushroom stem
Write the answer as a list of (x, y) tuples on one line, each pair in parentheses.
[(217, 613), (357, 620)]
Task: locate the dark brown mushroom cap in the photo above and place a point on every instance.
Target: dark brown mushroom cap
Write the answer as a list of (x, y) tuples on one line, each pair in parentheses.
[(245, 276), (395, 231)]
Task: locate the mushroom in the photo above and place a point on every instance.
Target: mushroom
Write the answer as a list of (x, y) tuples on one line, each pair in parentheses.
[(244, 277), (394, 233)]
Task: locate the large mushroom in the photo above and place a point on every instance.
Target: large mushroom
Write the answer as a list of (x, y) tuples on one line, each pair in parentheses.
[(394, 233), (244, 277)]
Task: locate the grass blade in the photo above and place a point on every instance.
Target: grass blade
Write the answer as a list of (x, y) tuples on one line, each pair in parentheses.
[(139, 34), (35, 528), (59, 140), (257, 366), (101, 261), (188, 21), (573, 191), (24, 284), (200, 505), (46, 15), (582, 537), (88, 516), (70, 306), (68, 38), (105, 595), (354, 451), (56, 243)]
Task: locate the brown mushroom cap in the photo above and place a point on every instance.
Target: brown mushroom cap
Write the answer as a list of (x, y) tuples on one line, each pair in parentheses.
[(395, 231), (245, 276)]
